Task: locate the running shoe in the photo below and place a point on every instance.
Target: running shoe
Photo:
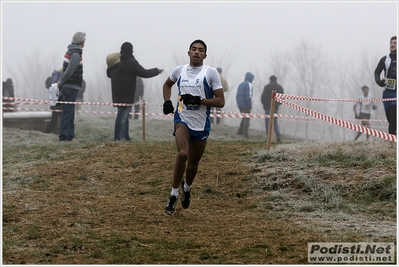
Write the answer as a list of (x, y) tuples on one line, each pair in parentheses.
[(185, 200), (171, 205)]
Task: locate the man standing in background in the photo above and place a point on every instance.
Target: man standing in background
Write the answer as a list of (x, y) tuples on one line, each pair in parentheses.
[(266, 100), (8, 91), (244, 102), (123, 76), (70, 83), (364, 110)]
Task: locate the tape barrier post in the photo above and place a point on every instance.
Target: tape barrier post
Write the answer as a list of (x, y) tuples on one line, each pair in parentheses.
[(143, 119), (271, 120)]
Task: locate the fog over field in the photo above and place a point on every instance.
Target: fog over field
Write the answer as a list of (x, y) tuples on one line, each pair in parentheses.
[(339, 43)]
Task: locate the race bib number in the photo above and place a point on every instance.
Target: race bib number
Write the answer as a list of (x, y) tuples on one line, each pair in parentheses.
[(390, 84)]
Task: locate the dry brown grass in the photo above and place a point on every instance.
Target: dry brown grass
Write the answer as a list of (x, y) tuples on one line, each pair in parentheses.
[(94, 201)]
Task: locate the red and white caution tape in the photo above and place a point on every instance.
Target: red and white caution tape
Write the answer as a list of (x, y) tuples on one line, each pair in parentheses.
[(226, 114), (339, 122), (306, 98)]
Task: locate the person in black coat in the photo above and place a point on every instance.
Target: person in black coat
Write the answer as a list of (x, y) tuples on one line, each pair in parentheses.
[(8, 91), (123, 82), (387, 64), (266, 99)]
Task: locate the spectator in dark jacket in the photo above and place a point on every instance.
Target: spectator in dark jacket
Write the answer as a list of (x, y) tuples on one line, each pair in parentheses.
[(8, 91), (123, 83), (244, 102), (266, 100)]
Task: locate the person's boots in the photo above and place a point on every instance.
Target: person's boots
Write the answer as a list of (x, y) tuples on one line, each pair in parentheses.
[(278, 136)]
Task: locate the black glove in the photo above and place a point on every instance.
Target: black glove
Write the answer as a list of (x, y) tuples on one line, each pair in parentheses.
[(381, 83), (168, 107), (190, 100)]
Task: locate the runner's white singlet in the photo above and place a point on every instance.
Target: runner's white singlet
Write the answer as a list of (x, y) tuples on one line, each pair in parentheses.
[(197, 81)]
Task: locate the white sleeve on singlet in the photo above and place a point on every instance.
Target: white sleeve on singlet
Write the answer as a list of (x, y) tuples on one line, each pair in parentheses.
[(213, 77), (176, 73)]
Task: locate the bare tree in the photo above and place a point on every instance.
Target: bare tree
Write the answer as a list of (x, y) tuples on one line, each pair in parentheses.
[(29, 79), (309, 73)]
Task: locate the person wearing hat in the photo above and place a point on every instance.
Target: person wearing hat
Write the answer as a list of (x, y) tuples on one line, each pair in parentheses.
[(70, 82), (266, 99), (123, 70)]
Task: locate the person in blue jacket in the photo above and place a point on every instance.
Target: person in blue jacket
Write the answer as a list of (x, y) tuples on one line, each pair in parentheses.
[(244, 102)]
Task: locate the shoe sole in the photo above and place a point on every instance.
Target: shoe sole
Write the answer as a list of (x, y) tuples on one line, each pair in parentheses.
[(169, 212)]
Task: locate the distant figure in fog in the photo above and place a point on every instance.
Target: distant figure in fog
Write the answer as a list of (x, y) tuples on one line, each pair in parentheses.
[(364, 109), (266, 100), (225, 89), (56, 110), (244, 102), (8, 91), (138, 95), (80, 97)]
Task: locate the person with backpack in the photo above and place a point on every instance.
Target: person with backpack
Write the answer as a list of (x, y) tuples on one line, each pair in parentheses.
[(123, 73)]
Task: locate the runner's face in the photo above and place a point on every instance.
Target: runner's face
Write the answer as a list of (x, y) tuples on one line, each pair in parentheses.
[(197, 54), (393, 45)]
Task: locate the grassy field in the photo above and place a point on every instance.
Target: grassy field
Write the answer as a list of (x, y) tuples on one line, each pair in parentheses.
[(95, 201)]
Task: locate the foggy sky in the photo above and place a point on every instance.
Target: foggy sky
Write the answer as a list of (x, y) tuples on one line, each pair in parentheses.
[(240, 36), (248, 31)]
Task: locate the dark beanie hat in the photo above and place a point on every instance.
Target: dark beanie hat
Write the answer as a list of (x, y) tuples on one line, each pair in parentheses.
[(273, 78), (127, 48)]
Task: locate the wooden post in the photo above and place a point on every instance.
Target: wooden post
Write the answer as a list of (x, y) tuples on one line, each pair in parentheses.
[(143, 119), (271, 120)]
